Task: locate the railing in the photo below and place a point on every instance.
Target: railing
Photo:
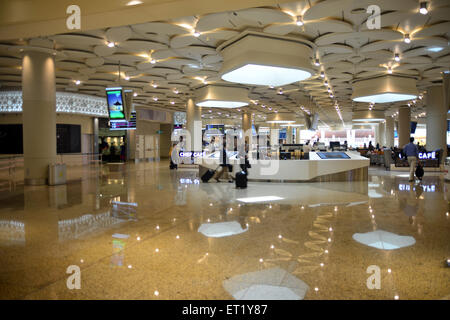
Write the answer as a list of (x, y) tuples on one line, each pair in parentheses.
[(80, 159)]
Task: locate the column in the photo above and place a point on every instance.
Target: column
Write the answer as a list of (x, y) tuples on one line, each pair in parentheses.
[(247, 127), (297, 135), (39, 116), (289, 134), (95, 149), (404, 125), (193, 126), (389, 131), (274, 134), (436, 119), (382, 134)]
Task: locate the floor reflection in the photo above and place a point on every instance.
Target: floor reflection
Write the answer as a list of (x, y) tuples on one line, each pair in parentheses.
[(150, 229)]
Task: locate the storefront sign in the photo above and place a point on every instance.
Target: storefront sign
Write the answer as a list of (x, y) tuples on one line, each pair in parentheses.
[(427, 155), (189, 154)]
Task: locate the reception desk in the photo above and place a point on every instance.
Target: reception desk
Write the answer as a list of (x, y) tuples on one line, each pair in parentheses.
[(321, 166)]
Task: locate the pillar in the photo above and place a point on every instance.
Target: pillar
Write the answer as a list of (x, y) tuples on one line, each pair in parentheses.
[(297, 135), (382, 134), (389, 131), (39, 115), (95, 149), (436, 119), (289, 134), (274, 134), (193, 126), (404, 125), (247, 127)]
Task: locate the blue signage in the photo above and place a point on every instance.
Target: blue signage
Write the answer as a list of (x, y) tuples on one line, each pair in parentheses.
[(427, 155)]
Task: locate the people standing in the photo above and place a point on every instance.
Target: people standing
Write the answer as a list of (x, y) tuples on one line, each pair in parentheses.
[(224, 166), (411, 152)]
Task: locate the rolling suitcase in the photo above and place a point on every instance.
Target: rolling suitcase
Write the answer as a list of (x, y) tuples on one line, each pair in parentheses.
[(207, 175), (241, 180), (419, 171)]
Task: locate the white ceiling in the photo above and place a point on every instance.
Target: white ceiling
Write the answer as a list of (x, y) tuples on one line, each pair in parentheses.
[(346, 49)]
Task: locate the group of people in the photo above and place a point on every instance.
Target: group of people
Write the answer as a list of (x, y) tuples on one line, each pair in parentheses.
[(112, 153), (225, 169)]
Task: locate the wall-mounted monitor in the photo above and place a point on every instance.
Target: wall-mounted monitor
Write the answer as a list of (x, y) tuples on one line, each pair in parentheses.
[(116, 103), (124, 124)]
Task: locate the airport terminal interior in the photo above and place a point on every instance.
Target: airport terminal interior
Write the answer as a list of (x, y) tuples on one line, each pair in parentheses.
[(225, 150)]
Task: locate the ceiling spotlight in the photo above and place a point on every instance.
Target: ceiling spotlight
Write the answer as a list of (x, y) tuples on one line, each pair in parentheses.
[(299, 21), (135, 94), (325, 82), (134, 2), (155, 98), (322, 74), (196, 34), (175, 91), (172, 102), (389, 70), (407, 39), (154, 85), (331, 95), (280, 91), (423, 7), (316, 62), (152, 61), (127, 78), (111, 44), (77, 82), (397, 57)]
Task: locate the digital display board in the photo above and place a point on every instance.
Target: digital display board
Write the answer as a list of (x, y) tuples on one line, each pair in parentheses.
[(114, 98), (124, 124), (333, 155)]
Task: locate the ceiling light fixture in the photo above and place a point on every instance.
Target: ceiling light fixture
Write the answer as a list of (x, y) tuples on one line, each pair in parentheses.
[(435, 49), (387, 88), (407, 39), (322, 74), (259, 59), (397, 57), (134, 2), (197, 34), (316, 62), (214, 96), (77, 82), (111, 44), (152, 61), (389, 70), (423, 7), (299, 21)]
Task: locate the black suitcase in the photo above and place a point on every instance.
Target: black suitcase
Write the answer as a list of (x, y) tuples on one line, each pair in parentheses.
[(241, 180), (207, 175), (419, 171)]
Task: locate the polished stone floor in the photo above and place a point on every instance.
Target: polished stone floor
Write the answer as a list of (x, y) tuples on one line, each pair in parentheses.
[(153, 233)]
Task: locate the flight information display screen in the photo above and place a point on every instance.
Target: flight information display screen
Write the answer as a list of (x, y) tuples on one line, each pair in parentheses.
[(114, 97), (333, 155)]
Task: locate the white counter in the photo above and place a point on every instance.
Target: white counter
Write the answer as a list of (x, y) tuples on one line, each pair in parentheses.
[(294, 170)]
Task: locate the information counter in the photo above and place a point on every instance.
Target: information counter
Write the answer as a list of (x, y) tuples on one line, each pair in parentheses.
[(321, 166)]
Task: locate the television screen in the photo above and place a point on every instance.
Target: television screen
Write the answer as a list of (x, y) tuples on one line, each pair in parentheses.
[(114, 98), (333, 155), (413, 126), (334, 144)]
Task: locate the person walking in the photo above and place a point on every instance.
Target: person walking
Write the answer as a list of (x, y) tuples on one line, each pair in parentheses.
[(411, 153), (225, 167)]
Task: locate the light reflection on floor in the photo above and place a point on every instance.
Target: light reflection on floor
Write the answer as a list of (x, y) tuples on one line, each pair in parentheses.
[(136, 232)]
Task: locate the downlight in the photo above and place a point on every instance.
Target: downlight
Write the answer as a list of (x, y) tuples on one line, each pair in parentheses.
[(259, 59)]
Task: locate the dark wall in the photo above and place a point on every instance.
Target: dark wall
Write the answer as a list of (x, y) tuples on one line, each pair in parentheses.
[(11, 141), (68, 138)]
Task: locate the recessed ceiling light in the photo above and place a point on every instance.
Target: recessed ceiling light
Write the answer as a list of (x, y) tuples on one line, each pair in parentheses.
[(77, 82), (127, 78), (196, 34), (152, 61), (221, 104), (397, 57), (316, 62), (407, 39), (111, 44), (423, 7), (322, 74), (134, 2), (389, 70), (135, 94), (435, 49), (299, 21)]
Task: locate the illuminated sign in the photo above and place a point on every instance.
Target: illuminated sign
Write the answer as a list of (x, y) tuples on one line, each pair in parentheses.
[(189, 154), (427, 155)]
